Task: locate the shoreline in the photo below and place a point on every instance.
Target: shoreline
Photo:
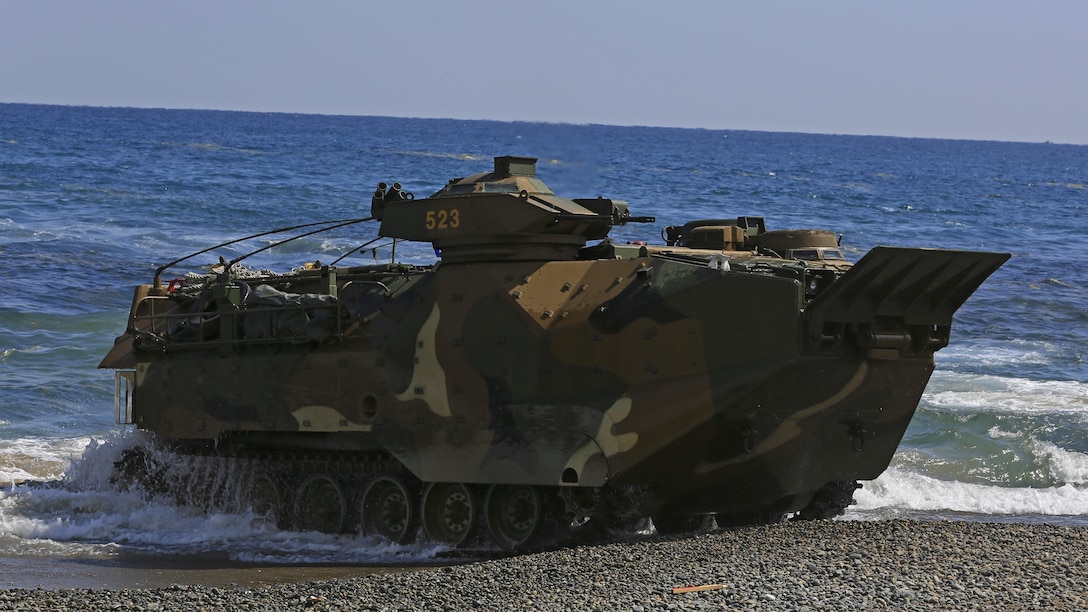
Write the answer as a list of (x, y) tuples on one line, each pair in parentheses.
[(53, 574), (793, 565)]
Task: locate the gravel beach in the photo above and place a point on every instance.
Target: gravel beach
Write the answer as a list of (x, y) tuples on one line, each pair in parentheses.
[(821, 565)]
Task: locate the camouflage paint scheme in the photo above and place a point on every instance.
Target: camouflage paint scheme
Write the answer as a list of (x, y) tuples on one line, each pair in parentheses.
[(721, 377)]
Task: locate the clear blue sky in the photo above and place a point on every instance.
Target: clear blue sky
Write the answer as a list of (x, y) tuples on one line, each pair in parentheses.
[(974, 69)]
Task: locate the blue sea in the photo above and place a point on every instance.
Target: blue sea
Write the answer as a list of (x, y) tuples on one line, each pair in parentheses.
[(92, 200)]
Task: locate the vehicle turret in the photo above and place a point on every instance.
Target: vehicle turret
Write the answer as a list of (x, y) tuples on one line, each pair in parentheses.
[(506, 214)]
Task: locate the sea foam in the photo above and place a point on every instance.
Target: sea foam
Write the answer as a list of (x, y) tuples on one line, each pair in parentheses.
[(86, 514), (901, 490), (988, 393)]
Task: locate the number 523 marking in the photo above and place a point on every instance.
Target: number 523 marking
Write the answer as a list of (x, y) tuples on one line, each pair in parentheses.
[(443, 219)]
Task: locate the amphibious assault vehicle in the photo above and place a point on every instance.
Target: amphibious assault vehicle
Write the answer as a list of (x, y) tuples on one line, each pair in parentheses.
[(540, 377)]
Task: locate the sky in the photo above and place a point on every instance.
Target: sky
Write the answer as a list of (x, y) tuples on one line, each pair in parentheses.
[(960, 69)]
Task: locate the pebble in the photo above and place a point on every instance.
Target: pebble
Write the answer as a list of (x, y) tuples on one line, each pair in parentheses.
[(819, 565)]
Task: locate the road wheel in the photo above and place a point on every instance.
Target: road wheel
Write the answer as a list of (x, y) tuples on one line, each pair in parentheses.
[(386, 509), (513, 514), (266, 498), (449, 512), (320, 505)]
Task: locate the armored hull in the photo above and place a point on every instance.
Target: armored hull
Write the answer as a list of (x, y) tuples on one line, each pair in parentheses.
[(527, 382)]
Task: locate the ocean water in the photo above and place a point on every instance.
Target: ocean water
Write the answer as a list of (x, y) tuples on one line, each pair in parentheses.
[(92, 200)]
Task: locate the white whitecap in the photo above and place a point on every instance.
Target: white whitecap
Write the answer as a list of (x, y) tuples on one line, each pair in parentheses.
[(1065, 466), (987, 393), (900, 489), (1012, 352)]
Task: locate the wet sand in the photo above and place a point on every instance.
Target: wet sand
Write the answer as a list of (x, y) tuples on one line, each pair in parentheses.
[(152, 572)]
